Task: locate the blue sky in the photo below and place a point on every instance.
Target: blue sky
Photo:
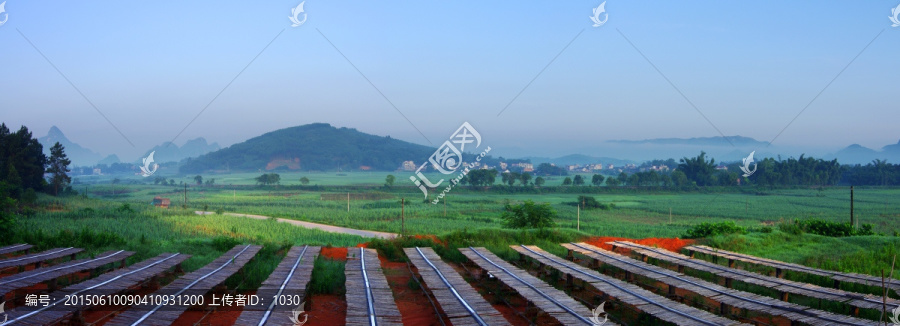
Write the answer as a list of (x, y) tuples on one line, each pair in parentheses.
[(151, 67)]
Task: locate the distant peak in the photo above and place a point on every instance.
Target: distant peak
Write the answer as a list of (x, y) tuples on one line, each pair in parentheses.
[(55, 132)]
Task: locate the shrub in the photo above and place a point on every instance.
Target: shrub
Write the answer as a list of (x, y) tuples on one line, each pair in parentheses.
[(707, 229), (826, 228), (529, 215), (591, 203), (790, 228), (125, 208)]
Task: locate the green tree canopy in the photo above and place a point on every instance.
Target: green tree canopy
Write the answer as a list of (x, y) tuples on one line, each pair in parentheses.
[(579, 180), (58, 167), (529, 215), (597, 179), (268, 179)]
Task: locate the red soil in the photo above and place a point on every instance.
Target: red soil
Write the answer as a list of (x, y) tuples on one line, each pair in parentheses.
[(412, 304), (336, 253), (221, 315), (671, 244), (327, 310), (511, 314)]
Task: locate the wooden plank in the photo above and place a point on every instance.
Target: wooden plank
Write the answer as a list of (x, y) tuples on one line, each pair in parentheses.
[(459, 301), (40, 275), (715, 292), (865, 301), (40, 257), (289, 279), (115, 282), (642, 300), (551, 301), (197, 282), (15, 248), (864, 279), (369, 297)]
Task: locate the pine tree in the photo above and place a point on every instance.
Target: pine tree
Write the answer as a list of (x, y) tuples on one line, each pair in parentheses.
[(58, 166)]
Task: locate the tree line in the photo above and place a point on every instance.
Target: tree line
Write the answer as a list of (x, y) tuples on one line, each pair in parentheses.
[(701, 171), (23, 167)]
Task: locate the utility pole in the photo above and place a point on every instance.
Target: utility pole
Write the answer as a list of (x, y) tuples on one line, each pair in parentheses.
[(402, 220), (348, 201), (578, 223), (670, 215), (851, 206), (184, 203)]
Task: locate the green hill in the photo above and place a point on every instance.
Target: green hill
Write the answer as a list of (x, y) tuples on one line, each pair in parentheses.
[(312, 147)]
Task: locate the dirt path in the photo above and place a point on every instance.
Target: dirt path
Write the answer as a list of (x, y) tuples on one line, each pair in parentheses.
[(311, 225)]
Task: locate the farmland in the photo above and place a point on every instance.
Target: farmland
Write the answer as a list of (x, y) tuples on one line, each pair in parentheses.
[(108, 215), (637, 213)]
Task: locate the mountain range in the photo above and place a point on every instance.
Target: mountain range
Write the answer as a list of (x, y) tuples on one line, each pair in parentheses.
[(699, 141), (169, 152), (322, 147), (79, 156), (166, 152), (857, 154)]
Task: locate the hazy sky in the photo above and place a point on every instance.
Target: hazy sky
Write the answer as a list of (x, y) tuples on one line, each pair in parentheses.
[(750, 67)]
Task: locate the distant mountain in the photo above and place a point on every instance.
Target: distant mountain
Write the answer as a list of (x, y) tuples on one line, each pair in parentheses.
[(317, 146), (111, 159), (579, 159), (79, 156), (198, 146), (857, 154), (701, 141), (892, 152), (169, 152)]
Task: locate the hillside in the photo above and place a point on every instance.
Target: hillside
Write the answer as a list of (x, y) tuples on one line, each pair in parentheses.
[(312, 147)]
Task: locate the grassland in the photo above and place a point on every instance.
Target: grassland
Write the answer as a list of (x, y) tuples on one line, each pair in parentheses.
[(637, 213), (100, 225), (472, 217)]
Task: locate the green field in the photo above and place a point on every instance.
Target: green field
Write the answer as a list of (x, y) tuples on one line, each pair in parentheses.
[(637, 213), (119, 216)]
